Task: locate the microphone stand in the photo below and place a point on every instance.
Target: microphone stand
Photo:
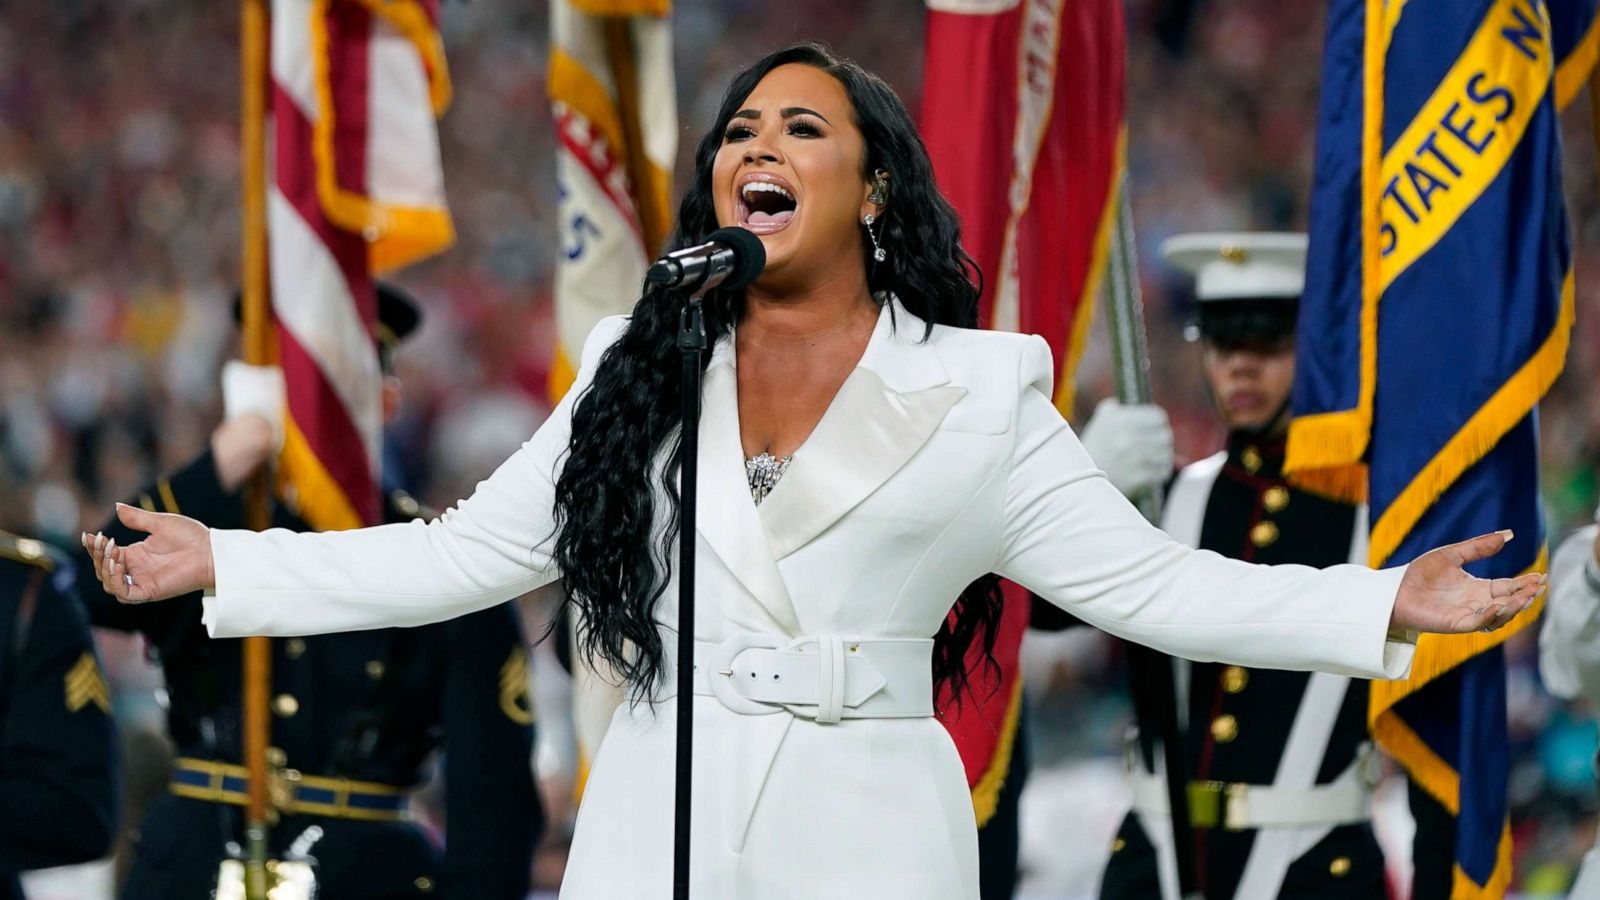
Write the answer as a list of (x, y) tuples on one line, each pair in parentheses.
[(692, 344), (728, 253)]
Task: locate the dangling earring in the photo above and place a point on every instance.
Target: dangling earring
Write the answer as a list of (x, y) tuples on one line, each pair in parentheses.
[(878, 197), (880, 188), (878, 253)]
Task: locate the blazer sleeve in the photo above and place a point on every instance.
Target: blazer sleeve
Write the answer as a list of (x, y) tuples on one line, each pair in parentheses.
[(489, 548), (1072, 539), (1569, 642)]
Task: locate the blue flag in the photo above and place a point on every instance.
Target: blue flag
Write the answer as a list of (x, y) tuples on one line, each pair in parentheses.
[(1437, 311)]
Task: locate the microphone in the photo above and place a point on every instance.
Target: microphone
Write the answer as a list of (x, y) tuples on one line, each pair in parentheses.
[(730, 258)]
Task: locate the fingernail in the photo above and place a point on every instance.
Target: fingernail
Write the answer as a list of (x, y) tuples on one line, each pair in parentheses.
[(1506, 533)]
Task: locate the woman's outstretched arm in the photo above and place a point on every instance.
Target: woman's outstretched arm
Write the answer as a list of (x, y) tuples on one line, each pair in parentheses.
[(491, 547), (1072, 539)]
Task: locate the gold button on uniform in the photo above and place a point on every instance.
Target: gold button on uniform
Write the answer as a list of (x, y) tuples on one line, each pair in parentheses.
[(425, 884), (294, 648), (285, 705), (374, 669), (1339, 867), (1117, 845), (276, 757), (1224, 728), (1251, 458), (1264, 534), (1234, 678), (1275, 499)]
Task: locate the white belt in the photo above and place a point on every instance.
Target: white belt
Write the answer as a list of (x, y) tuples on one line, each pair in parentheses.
[(1241, 807), (824, 677)]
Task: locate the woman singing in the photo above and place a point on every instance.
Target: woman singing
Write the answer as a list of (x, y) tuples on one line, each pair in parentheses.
[(869, 464)]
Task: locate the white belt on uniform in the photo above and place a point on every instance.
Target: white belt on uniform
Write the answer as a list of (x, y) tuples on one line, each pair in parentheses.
[(1240, 807), (823, 677)]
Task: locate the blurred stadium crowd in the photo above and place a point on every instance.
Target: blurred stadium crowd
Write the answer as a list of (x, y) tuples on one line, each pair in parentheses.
[(118, 256)]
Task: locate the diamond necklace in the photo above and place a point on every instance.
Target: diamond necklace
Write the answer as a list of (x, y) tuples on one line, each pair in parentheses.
[(763, 471)]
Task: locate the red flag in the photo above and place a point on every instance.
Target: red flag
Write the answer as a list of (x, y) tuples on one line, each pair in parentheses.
[(1022, 112)]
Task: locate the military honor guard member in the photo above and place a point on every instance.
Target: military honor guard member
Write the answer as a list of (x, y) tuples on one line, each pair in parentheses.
[(1569, 647), (1281, 766), (356, 717), (58, 783)]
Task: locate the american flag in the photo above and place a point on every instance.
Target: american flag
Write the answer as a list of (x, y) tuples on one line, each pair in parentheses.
[(357, 191)]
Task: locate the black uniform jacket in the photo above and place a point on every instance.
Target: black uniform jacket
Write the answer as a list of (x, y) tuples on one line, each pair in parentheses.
[(58, 785), (369, 706), (1239, 718)]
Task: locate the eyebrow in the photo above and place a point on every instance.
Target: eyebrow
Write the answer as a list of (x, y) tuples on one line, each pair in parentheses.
[(787, 112)]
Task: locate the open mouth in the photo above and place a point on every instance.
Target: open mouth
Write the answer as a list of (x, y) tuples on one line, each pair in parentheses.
[(766, 203)]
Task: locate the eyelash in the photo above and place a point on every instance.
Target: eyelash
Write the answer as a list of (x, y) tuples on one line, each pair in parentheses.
[(802, 128)]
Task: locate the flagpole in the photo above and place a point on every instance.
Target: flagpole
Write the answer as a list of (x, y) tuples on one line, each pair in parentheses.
[(654, 223), (1594, 105), (654, 219), (1149, 671), (256, 349)]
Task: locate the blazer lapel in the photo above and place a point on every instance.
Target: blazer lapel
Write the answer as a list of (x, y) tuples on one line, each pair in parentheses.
[(727, 515), (888, 407)]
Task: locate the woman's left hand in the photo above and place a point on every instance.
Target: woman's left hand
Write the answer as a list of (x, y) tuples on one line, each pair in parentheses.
[(1437, 595)]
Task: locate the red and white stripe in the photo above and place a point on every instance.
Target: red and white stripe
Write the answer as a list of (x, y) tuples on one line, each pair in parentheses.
[(338, 63)]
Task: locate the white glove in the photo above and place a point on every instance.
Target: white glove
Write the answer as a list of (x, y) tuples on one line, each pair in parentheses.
[(1131, 444), (250, 389)]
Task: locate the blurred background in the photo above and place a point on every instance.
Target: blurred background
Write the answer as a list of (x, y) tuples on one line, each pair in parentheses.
[(119, 253)]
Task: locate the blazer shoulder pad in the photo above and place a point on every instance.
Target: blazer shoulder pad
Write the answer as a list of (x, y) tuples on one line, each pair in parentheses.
[(601, 337)]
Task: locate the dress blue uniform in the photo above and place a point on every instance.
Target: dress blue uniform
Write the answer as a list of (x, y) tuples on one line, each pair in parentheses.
[(1280, 764), (58, 785), (355, 720), (1240, 720)]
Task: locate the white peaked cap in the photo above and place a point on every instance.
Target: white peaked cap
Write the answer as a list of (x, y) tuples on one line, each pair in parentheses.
[(1241, 265)]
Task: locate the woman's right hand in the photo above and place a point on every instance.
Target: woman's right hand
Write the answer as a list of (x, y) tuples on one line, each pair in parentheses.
[(174, 560)]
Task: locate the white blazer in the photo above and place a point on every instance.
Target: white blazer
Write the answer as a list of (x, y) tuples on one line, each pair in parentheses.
[(937, 462)]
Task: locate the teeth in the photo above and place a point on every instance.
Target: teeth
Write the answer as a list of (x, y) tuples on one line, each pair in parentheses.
[(754, 186)]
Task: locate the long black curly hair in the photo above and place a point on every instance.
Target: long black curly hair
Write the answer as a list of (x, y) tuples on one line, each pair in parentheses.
[(614, 572)]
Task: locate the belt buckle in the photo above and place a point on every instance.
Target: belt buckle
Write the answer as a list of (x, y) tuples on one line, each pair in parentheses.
[(1205, 803), (720, 678), (282, 785)]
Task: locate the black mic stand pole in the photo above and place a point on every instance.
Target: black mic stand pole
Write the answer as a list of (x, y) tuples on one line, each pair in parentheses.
[(692, 344)]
